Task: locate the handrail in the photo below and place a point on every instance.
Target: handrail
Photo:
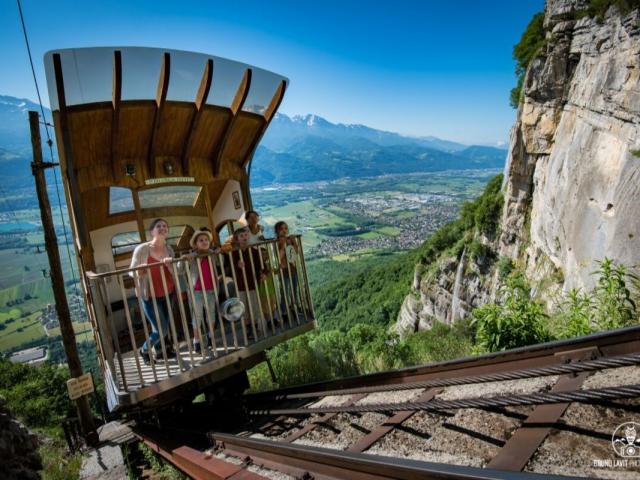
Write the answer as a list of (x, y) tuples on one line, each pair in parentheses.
[(182, 258), (185, 317)]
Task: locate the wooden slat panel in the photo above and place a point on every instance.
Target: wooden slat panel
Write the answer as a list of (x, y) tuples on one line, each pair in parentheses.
[(236, 107), (90, 136), (94, 176), (161, 97), (174, 128), (134, 135), (208, 133), (200, 102), (246, 128)]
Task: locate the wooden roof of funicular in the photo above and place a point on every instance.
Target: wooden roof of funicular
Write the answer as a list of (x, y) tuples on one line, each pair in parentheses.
[(162, 114)]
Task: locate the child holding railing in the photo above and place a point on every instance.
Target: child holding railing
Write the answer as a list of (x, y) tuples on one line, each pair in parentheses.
[(248, 272), (203, 277)]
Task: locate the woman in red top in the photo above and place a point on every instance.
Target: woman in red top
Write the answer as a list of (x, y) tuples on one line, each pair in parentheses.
[(149, 284)]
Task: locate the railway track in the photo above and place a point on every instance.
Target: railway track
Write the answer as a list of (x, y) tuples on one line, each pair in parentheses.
[(534, 412)]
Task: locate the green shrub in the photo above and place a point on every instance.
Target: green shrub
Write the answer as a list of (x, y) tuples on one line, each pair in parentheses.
[(377, 349), (337, 351), (440, 343), (613, 306), (479, 252), (37, 395), (58, 463), (575, 316), (516, 321), (505, 267), (489, 207), (296, 362), (530, 44)]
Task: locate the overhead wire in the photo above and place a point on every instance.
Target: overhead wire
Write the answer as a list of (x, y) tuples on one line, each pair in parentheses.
[(50, 144)]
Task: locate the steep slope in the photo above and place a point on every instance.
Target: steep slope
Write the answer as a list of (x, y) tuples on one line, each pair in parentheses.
[(572, 179)]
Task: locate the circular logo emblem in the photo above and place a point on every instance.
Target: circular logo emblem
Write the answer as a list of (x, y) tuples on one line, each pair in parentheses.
[(626, 440)]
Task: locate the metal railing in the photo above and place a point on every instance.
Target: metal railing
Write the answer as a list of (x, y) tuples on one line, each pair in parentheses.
[(279, 300)]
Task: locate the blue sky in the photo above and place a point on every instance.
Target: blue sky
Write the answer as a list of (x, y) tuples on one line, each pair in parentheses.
[(416, 67)]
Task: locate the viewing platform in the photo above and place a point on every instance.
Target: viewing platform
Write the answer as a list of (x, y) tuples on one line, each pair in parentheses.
[(122, 329)]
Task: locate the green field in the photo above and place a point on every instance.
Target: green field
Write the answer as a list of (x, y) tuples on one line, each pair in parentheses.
[(82, 329), (19, 331), (304, 213), (389, 231)]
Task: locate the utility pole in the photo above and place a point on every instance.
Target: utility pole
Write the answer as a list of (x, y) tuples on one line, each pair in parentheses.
[(57, 280)]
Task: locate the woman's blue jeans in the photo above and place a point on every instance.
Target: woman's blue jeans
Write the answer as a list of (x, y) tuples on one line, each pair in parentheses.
[(150, 313)]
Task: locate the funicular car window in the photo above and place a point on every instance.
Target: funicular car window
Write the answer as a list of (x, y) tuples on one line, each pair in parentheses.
[(120, 200), (173, 196), (124, 242), (225, 230)]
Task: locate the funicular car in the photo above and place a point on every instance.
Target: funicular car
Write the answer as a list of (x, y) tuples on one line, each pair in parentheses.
[(144, 133)]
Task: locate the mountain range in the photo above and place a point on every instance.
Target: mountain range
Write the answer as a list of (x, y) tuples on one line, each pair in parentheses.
[(295, 149), (309, 148)]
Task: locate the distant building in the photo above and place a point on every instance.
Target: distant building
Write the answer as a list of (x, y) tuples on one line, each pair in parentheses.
[(32, 356)]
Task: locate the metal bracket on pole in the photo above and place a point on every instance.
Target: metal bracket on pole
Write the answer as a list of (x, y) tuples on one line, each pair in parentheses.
[(37, 166)]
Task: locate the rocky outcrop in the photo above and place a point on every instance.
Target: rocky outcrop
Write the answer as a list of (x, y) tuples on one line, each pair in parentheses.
[(572, 179), (19, 457), (446, 293)]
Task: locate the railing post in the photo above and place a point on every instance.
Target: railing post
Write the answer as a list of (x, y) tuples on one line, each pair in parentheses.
[(223, 334), (207, 320), (247, 294), (182, 312), (306, 280), (275, 267), (172, 323), (143, 318), (235, 282), (159, 322), (265, 283), (132, 335), (103, 330), (116, 341), (226, 292), (256, 290)]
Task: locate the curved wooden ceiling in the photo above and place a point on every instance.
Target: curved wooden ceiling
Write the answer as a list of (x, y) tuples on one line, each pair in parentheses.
[(157, 138)]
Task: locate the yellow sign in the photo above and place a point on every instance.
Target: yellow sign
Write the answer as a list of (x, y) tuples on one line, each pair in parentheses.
[(83, 385)]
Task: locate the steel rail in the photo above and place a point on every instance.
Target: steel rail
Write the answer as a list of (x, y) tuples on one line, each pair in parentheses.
[(569, 368), (198, 465), (540, 398), (303, 461), (613, 342)]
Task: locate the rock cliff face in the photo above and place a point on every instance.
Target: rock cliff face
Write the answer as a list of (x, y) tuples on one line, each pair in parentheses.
[(572, 179)]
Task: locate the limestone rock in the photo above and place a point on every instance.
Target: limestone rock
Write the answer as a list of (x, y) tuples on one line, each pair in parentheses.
[(571, 171)]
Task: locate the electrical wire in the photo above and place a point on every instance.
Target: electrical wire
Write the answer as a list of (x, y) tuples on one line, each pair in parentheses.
[(50, 144)]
